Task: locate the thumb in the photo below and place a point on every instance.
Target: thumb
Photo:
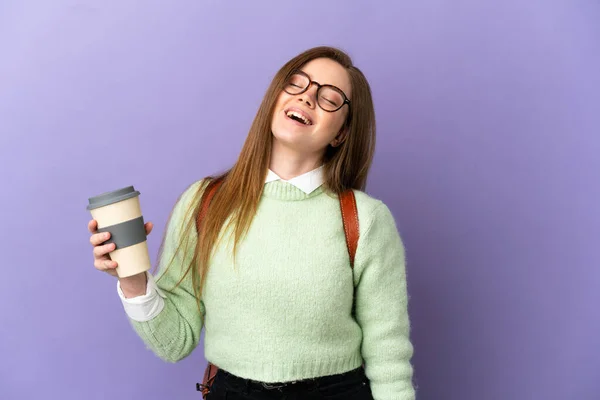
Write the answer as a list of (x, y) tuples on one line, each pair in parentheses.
[(149, 226)]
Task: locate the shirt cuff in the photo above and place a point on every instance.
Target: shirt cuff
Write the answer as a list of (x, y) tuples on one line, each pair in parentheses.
[(147, 306)]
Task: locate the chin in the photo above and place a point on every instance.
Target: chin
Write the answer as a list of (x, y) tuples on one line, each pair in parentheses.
[(290, 139), (285, 136)]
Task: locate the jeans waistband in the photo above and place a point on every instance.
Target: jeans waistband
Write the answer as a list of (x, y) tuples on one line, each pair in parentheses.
[(243, 384)]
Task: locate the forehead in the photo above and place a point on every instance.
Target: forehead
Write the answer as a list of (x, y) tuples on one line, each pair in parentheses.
[(328, 72)]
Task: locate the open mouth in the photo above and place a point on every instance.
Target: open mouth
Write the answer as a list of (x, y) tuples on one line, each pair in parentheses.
[(299, 117)]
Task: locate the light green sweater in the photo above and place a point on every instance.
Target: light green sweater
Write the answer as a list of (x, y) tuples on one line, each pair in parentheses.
[(284, 312)]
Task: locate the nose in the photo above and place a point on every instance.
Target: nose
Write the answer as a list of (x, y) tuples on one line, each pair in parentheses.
[(309, 96)]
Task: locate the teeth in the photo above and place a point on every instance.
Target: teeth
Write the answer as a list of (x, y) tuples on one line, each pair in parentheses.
[(296, 114)]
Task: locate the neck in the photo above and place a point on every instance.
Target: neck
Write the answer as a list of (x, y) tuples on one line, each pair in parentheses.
[(289, 163)]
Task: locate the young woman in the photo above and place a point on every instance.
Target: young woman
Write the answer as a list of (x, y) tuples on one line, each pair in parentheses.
[(270, 278)]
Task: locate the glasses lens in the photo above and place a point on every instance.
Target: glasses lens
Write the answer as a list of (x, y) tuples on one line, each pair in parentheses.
[(330, 99), (296, 83)]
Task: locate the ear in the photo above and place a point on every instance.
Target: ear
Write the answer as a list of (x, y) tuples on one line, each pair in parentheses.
[(340, 138)]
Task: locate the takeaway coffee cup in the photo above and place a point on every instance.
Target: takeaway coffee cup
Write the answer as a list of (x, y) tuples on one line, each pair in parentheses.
[(119, 213)]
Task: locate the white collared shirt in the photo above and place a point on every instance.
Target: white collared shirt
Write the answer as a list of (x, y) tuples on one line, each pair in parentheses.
[(146, 307), (306, 182)]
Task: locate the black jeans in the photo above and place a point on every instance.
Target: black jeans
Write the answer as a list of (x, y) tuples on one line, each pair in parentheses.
[(352, 385)]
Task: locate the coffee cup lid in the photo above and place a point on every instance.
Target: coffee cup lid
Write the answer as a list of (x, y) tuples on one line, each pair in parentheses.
[(115, 196)]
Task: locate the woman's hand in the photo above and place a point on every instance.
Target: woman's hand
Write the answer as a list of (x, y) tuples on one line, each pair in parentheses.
[(102, 261)]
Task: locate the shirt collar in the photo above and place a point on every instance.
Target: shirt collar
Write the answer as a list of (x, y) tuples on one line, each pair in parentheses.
[(306, 182)]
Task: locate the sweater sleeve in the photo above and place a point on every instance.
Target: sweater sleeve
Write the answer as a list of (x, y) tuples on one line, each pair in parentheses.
[(382, 308), (175, 331)]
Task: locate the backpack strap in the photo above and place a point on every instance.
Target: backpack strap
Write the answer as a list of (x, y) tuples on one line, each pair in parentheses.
[(350, 218)]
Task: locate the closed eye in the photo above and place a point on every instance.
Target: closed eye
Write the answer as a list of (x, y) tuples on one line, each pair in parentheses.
[(333, 103)]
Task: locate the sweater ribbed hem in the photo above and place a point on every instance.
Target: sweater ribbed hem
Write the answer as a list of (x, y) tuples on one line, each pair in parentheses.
[(288, 371)]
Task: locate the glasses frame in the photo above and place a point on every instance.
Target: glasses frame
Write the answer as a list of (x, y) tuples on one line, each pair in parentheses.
[(319, 87)]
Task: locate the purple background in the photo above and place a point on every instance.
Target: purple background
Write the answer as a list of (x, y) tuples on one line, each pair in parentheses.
[(488, 122)]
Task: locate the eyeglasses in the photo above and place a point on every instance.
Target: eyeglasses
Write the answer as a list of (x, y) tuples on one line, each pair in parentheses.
[(329, 97)]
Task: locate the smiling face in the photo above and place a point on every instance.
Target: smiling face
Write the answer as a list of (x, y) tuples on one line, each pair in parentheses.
[(298, 121)]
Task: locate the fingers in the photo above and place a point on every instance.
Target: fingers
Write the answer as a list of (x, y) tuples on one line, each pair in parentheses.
[(92, 226), (101, 251), (149, 227), (104, 264), (112, 272), (99, 238), (107, 266), (102, 261)]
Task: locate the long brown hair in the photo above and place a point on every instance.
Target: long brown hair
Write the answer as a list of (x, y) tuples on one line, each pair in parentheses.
[(345, 166)]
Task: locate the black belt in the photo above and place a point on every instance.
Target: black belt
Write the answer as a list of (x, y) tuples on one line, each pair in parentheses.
[(303, 384)]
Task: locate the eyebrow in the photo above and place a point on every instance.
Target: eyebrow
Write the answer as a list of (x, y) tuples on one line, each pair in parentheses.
[(320, 83)]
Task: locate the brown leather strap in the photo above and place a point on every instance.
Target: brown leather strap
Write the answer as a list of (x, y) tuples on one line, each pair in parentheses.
[(210, 191), (209, 376), (350, 218)]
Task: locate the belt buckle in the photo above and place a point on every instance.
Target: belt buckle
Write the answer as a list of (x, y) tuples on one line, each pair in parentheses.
[(270, 387)]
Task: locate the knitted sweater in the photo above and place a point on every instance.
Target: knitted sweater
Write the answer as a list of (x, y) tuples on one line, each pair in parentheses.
[(283, 312)]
